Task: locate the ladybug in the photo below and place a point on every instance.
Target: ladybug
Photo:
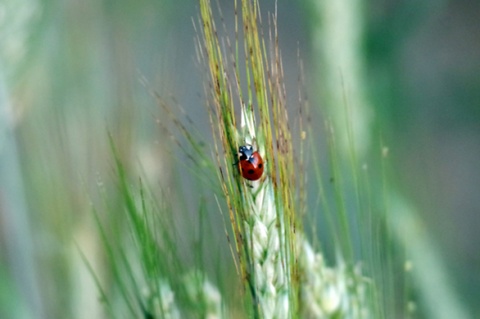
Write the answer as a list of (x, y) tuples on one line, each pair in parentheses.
[(251, 163)]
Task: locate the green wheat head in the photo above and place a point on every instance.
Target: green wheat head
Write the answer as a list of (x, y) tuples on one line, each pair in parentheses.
[(283, 274)]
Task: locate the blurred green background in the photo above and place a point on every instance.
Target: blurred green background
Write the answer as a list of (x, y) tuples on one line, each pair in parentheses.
[(70, 71)]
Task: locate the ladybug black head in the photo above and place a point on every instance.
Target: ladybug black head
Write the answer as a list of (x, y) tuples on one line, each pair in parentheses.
[(245, 151)]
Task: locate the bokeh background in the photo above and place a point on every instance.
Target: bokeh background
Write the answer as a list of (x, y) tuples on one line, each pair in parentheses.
[(71, 71)]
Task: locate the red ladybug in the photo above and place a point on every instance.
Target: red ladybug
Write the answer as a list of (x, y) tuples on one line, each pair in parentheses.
[(251, 163)]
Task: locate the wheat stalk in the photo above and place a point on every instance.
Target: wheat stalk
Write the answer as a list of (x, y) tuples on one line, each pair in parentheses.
[(285, 276), (163, 304), (201, 291), (265, 233), (257, 209), (330, 292)]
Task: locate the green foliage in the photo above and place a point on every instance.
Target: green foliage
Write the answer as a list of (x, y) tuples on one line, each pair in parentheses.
[(322, 234)]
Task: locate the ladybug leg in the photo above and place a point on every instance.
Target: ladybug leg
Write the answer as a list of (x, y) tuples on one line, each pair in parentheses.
[(237, 161)]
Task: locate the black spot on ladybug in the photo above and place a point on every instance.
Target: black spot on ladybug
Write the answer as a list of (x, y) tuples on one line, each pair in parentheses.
[(260, 165), (251, 171)]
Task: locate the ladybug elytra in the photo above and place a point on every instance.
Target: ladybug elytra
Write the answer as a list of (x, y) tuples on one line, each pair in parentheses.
[(251, 163)]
